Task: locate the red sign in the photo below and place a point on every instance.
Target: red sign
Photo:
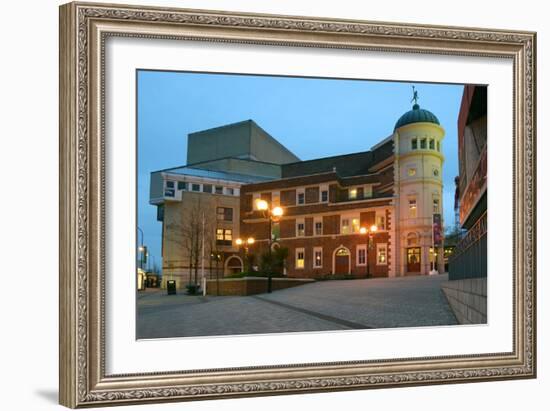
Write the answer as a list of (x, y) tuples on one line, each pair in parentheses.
[(437, 230)]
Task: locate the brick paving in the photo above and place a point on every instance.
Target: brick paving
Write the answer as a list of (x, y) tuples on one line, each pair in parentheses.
[(321, 306)]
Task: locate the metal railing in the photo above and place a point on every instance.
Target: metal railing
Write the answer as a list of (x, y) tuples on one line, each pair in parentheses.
[(469, 259)]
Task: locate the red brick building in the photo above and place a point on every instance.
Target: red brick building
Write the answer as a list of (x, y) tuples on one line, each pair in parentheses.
[(326, 202)]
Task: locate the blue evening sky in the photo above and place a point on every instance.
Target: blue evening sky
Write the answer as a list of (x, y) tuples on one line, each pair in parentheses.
[(312, 117)]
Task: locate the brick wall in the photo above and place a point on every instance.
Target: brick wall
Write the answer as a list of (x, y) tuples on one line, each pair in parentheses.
[(250, 285), (468, 299)]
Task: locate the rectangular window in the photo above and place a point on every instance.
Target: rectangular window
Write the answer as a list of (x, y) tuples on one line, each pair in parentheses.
[(229, 191), (412, 208), (432, 144), (352, 193), (196, 187), (182, 185), (423, 144), (436, 205), (361, 255), (169, 188), (438, 146), (319, 227), (300, 196), (300, 228), (345, 226), (367, 191), (219, 190), (276, 199), (225, 213), (300, 258), (324, 194), (224, 236), (414, 143), (355, 225), (380, 221), (318, 257), (207, 188), (381, 256)]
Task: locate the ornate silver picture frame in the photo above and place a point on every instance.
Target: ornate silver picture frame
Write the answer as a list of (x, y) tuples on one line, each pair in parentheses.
[(84, 30)]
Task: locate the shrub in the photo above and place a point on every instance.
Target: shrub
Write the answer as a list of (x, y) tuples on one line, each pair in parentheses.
[(192, 289)]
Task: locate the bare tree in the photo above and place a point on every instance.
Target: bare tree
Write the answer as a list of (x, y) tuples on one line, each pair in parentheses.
[(193, 232)]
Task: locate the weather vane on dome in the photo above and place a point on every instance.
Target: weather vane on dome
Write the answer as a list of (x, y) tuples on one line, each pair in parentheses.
[(415, 96)]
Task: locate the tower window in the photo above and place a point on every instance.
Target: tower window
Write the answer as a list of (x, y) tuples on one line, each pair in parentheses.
[(432, 144), (423, 144), (436, 205), (414, 143), (438, 146), (436, 172), (412, 208)]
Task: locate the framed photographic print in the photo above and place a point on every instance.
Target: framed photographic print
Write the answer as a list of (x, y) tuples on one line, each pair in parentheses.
[(260, 204)]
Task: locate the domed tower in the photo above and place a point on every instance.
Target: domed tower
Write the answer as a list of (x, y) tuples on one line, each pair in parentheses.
[(418, 140)]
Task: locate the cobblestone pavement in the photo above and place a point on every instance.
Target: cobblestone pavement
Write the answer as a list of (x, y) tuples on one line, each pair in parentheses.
[(321, 306)]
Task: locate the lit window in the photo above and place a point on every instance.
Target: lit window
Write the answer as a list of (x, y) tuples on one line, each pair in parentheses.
[(381, 257), (352, 193), (219, 189), (300, 258), (300, 229), (318, 228), (436, 205), (182, 185), (196, 187), (355, 225), (224, 236), (412, 208), (361, 255), (411, 172), (432, 144), (423, 144), (317, 257), (367, 191), (345, 226), (414, 143), (275, 199)]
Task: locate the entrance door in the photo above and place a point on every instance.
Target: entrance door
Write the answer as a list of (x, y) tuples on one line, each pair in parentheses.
[(413, 260), (341, 261)]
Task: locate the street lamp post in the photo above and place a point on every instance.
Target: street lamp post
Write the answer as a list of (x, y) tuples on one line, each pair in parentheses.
[(370, 231), (272, 215), (244, 245)]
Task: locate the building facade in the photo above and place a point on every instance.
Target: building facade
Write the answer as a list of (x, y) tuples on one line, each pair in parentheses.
[(366, 214), (466, 289), (331, 207), (198, 204)]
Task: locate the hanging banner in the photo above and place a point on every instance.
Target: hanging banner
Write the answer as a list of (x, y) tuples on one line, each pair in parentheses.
[(437, 230)]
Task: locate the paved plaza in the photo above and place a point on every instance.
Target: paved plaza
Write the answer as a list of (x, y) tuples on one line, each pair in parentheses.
[(320, 306)]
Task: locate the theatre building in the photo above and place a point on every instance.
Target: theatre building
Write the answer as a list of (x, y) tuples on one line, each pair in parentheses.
[(373, 213)]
